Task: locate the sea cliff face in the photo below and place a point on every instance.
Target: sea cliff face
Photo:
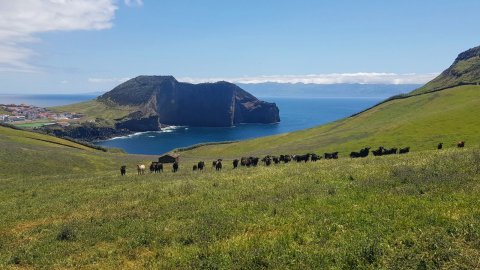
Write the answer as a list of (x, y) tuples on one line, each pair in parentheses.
[(165, 101)]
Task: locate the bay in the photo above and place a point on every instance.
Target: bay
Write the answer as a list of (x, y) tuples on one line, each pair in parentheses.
[(295, 114)]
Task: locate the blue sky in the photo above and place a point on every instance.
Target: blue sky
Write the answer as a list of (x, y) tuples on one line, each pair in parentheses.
[(60, 46)]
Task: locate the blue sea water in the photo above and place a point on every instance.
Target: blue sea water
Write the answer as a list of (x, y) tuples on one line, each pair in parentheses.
[(295, 114)]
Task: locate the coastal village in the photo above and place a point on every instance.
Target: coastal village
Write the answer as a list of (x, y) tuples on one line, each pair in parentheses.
[(33, 116)]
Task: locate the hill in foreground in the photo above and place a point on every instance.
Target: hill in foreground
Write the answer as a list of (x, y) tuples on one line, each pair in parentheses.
[(64, 207)]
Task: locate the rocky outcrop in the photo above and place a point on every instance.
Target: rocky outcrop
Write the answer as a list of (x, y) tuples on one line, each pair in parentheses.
[(86, 132), (164, 100)]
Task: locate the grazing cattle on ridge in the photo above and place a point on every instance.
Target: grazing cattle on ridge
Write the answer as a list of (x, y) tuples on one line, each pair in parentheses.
[(194, 167), (363, 153), (140, 169), (175, 166), (333, 155), (440, 146), (123, 170), (235, 163), (404, 150), (214, 163), (461, 144), (218, 165)]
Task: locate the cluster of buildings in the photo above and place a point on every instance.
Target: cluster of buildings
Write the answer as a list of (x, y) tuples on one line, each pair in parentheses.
[(23, 112)]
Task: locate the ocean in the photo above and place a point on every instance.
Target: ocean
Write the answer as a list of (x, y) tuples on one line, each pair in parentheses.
[(295, 114)]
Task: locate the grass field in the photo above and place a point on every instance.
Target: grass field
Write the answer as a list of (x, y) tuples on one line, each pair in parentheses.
[(69, 208), (93, 109), (31, 124), (420, 122)]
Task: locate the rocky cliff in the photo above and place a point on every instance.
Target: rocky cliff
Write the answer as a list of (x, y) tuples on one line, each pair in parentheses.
[(162, 100)]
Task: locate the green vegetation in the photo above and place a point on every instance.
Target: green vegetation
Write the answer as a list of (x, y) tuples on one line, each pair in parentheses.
[(65, 207), (35, 124), (420, 122), (94, 110), (465, 70)]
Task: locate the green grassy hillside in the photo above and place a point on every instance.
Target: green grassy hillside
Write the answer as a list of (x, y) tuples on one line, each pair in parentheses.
[(94, 109), (420, 122), (418, 211), (29, 154)]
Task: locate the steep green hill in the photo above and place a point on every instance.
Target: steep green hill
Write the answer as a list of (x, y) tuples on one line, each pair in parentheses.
[(464, 70), (420, 122)]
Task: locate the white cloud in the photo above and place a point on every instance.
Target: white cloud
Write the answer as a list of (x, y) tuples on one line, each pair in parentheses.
[(333, 78), (108, 80), (134, 3), (20, 20)]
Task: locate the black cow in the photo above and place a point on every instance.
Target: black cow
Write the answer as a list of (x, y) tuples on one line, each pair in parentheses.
[(152, 166), (404, 150), (235, 163), (379, 151), (276, 160), (363, 153), (123, 170), (333, 155), (315, 157), (200, 165), (159, 167), (461, 144), (195, 167), (440, 146), (390, 151), (218, 165), (175, 166)]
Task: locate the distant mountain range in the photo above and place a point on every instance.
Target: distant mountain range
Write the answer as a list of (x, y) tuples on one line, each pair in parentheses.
[(327, 90)]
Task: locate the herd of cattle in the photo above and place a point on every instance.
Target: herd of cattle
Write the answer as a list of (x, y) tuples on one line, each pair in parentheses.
[(157, 167)]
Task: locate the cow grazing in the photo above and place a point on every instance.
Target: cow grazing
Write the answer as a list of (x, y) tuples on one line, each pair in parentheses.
[(175, 166), (140, 169), (461, 144), (363, 153), (194, 167), (235, 163), (123, 170), (440, 146), (333, 155), (200, 165), (218, 165), (315, 157), (404, 150), (379, 151), (276, 160), (152, 167)]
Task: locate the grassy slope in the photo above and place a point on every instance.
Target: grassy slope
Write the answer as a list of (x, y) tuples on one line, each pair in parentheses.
[(419, 122), (24, 153), (94, 109), (418, 210), (466, 71)]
